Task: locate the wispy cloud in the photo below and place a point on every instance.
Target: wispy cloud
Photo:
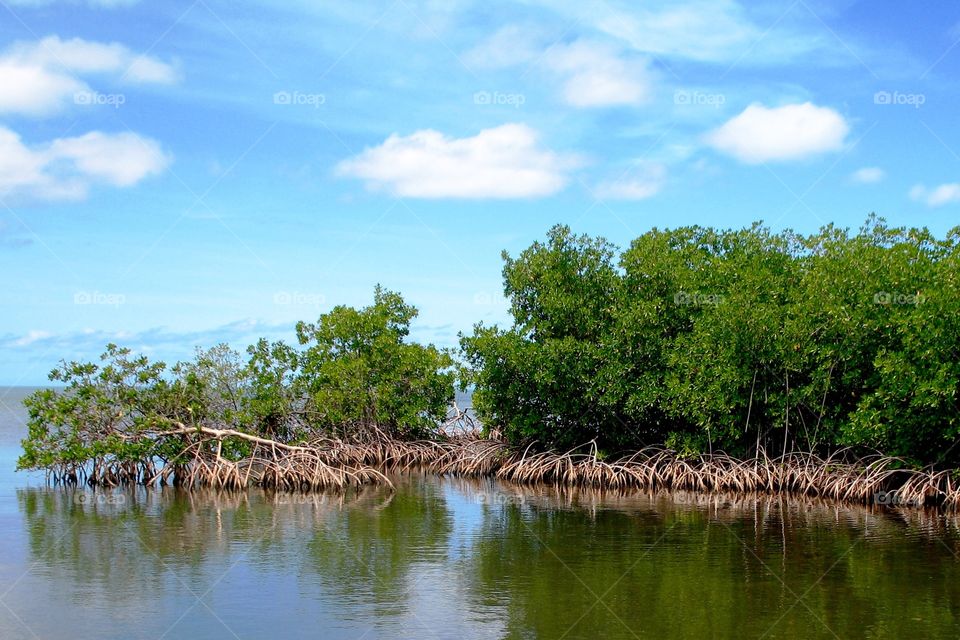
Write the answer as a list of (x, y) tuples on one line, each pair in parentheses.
[(868, 175), (509, 46), (91, 342), (640, 183), (708, 31), (596, 76), (29, 338), (590, 73), (937, 196), (106, 4)]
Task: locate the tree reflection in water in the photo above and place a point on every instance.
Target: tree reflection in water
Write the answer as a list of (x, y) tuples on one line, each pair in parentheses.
[(455, 557)]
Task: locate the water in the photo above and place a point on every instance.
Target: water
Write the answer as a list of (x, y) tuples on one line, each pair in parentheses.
[(446, 558)]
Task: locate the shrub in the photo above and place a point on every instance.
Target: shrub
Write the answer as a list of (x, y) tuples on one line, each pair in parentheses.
[(359, 372), (355, 372), (734, 339)]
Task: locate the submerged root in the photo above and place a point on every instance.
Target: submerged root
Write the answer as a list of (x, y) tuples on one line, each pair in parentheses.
[(876, 480), (328, 463)]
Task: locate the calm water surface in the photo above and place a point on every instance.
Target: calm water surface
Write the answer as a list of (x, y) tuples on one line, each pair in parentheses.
[(443, 558)]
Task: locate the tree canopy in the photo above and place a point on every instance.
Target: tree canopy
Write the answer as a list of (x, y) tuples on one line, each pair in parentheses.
[(353, 371), (694, 338), (707, 339)]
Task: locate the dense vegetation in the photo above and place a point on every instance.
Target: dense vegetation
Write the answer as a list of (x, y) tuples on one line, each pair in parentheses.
[(748, 342), (705, 339), (353, 373)]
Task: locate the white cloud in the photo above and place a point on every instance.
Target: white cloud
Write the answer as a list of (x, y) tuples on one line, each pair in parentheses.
[(34, 90), (82, 56), (596, 76), (791, 132), (868, 175), (85, 56), (39, 78), (120, 159), (938, 196), (502, 162), (145, 69), (66, 168), (29, 338), (638, 184)]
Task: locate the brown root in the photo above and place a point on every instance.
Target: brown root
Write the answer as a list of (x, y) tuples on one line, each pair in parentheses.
[(327, 463)]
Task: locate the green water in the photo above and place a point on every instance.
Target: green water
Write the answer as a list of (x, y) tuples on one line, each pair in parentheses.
[(448, 558)]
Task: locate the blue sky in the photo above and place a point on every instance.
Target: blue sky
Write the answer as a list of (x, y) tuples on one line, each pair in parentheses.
[(183, 173)]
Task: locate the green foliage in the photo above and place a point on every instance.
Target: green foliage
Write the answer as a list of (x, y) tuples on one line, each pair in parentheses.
[(537, 380), (697, 338), (276, 401), (100, 412), (359, 372), (730, 339), (355, 372)]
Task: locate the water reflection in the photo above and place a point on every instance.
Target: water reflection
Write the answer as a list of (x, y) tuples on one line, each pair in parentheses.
[(588, 565), (461, 558)]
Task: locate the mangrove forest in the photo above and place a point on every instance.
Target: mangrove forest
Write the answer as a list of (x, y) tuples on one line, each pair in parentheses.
[(697, 358)]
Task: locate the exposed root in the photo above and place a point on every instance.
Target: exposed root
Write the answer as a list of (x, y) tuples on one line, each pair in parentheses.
[(201, 463), (327, 463), (874, 480)]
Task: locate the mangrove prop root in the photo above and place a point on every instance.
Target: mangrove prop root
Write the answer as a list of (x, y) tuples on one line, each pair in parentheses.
[(329, 463)]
